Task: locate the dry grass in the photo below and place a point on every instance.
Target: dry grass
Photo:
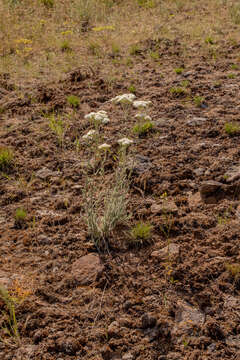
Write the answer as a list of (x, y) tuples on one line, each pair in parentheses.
[(34, 34)]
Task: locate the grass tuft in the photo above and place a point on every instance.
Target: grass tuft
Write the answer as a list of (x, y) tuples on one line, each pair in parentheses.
[(20, 218), (143, 129), (141, 233), (9, 321), (232, 128), (74, 101), (6, 159)]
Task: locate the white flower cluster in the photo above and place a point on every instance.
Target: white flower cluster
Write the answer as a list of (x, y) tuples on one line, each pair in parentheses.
[(141, 104), (125, 142), (90, 134), (143, 117), (104, 147), (99, 117), (130, 99), (125, 99)]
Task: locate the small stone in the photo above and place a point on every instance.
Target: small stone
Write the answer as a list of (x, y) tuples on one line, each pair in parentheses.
[(211, 347), (232, 302), (113, 329), (45, 173), (43, 239), (196, 121), (194, 200), (127, 305), (199, 171), (164, 207), (186, 318), (168, 251), (139, 164), (233, 341), (212, 191), (188, 73), (232, 174), (87, 269), (148, 321), (128, 356), (68, 345)]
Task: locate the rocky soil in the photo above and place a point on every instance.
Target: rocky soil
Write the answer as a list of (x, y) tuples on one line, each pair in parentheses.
[(174, 298)]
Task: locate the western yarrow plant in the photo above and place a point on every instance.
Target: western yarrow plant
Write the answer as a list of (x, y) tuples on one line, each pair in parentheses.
[(105, 208)]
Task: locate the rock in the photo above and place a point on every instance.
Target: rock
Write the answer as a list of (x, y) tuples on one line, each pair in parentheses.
[(128, 356), (108, 354), (232, 174), (168, 251), (43, 239), (232, 302), (199, 171), (125, 321), (173, 356), (164, 207), (186, 317), (68, 345), (188, 73), (211, 347), (233, 341), (113, 329), (148, 321), (162, 123), (87, 269), (196, 121), (139, 165), (127, 305), (35, 200), (200, 146), (212, 191), (45, 173), (194, 200)]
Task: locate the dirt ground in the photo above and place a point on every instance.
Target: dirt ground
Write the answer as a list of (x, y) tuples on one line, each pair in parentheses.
[(174, 298)]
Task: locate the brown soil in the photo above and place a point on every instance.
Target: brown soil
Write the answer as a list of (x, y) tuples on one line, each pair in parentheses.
[(139, 305)]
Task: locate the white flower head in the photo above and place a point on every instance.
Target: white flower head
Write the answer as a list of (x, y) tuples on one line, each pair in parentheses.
[(141, 104), (100, 117), (90, 116), (124, 99), (104, 147), (143, 117), (125, 142), (90, 134)]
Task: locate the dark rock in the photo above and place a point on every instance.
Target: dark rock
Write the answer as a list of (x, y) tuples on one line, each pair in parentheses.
[(148, 321), (186, 317), (212, 191), (139, 165), (87, 269)]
